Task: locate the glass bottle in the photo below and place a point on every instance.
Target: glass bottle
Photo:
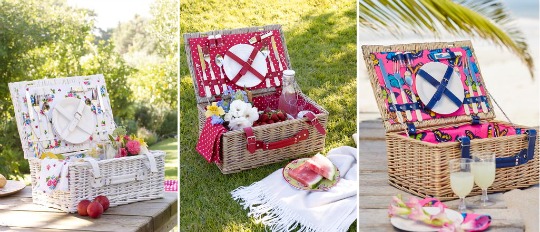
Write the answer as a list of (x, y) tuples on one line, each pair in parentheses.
[(288, 100)]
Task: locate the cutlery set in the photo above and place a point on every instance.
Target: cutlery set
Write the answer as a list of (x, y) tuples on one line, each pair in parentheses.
[(405, 60), (215, 85), (40, 110)]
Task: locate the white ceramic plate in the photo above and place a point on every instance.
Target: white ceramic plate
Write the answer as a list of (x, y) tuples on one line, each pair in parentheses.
[(410, 225), (232, 68), (84, 129), (426, 90), (12, 187)]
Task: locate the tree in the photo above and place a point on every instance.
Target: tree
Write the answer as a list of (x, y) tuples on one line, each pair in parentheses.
[(487, 19)]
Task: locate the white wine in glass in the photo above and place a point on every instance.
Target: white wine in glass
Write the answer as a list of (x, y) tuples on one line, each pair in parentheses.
[(483, 169), (461, 180)]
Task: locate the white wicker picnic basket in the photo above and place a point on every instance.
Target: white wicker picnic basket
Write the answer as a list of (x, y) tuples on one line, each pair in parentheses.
[(121, 180)]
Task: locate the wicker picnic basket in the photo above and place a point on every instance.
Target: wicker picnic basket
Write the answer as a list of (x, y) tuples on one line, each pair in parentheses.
[(121, 180), (234, 153), (421, 167)]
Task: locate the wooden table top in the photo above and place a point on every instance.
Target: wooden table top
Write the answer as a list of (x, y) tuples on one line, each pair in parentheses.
[(18, 213), (376, 194)]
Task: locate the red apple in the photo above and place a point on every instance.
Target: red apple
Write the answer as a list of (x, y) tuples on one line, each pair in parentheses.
[(82, 206), (104, 201), (94, 209)]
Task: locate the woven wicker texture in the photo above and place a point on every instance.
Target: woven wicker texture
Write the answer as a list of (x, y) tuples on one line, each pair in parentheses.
[(234, 154), (133, 176), (421, 168)]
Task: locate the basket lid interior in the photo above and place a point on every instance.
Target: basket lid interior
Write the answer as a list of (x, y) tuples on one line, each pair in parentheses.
[(207, 89), (84, 95), (467, 84)]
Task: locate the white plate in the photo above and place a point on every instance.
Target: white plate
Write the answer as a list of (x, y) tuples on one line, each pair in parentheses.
[(232, 68), (12, 187), (410, 225), (426, 90), (84, 129)]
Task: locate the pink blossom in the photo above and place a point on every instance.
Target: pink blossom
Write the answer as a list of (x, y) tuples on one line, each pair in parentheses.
[(440, 218), (121, 153), (449, 227), (476, 222), (418, 214), (398, 201), (133, 147), (126, 138)]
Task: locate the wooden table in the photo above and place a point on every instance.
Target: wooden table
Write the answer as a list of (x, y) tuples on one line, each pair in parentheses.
[(376, 194), (17, 212)]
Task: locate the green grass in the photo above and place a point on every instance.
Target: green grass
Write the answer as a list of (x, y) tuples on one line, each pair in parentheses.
[(321, 39), (170, 146)]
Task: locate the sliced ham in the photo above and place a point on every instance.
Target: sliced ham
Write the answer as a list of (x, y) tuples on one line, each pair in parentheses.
[(305, 176), (322, 165)]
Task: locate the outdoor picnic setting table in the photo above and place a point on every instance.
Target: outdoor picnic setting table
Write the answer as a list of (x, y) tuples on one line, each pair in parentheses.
[(375, 194), (17, 212)]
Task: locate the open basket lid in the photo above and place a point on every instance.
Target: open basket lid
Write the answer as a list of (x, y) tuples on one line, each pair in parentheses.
[(78, 107), (445, 84), (244, 63)]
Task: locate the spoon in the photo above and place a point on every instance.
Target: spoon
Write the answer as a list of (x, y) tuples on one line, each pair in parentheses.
[(219, 63), (409, 82)]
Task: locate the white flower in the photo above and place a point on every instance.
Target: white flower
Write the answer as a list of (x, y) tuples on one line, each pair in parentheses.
[(228, 117), (239, 123), (251, 113), (237, 108)]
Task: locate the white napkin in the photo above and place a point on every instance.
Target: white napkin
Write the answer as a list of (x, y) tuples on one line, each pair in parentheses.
[(281, 207), (53, 175)]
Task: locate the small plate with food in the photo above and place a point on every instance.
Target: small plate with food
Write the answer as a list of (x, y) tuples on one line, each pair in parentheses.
[(317, 173)]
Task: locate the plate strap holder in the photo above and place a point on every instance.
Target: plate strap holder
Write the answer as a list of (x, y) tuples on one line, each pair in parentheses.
[(441, 87)]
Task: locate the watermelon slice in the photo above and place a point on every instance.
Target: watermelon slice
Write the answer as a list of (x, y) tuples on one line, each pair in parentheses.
[(305, 176), (322, 165)]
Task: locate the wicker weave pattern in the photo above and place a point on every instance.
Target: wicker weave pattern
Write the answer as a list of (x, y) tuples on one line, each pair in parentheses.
[(81, 177), (421, 168), (234, 154)]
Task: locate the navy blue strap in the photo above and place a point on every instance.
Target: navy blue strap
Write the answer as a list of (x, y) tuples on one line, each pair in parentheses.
[(406, 107), (505, 162), (475, 119), (469, 100), (441, 87), (411, 129), (465, 147)]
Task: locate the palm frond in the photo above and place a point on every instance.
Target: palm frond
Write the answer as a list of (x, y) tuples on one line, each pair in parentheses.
[(487, 19)]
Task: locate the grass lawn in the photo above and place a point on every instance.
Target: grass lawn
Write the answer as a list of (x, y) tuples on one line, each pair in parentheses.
[(321, 39), (170, 146)]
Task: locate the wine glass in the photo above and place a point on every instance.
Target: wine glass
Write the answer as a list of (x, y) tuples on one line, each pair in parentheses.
[(483, 170), (461, 180)]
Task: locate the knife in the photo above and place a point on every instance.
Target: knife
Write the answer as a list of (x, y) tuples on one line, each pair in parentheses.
[(203, 67), (389, 87), (473, 75), (264, 36), (274, 46)]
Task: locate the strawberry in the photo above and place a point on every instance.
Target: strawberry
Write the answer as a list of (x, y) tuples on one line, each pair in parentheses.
[(281, 116), (274, 117), (263, 117), (263, 123), (270, 121)]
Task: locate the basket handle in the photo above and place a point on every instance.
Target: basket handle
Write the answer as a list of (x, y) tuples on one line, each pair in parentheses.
[(100, 181), (520, 158), (253, 144)]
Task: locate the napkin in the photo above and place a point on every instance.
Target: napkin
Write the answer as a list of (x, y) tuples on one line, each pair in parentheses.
[(281, 207), (208, 144), (53, 175)]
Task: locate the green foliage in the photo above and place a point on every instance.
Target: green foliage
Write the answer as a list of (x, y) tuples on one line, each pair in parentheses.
[(169, 125), (12, 163), (148, 136), (321, 40)]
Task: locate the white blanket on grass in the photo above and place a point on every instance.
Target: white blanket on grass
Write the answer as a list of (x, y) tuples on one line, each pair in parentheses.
[(281, 207)]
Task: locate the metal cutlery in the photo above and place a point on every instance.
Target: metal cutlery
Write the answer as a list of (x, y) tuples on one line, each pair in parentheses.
[(397, 70), (276, 53), (265, 51), (206, 56), (478, 89), (45, 108), (254, 39), (94, 101), (409, 81), (203, 69), (390, 92), (219, 63)]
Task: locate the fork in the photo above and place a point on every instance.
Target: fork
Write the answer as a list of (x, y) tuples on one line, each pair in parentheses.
[(397, 67), (206, 56), (265, 51), (45, 108)]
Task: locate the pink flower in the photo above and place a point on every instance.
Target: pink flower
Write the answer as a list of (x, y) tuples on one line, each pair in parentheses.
[(418, 214), (126, 138), (122, 153), (133, 147)]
